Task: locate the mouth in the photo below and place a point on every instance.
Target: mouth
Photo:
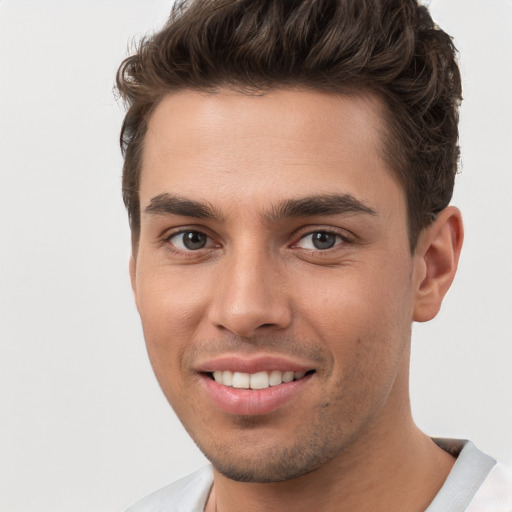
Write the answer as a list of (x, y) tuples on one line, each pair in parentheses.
[(257, 381), (245, 387), (255, 385)]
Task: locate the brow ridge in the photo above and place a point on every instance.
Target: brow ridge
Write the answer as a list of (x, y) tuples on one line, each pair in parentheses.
[(168, 204), (310, 206)]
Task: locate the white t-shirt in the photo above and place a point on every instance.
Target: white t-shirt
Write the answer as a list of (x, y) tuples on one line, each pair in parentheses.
[(476, 483)]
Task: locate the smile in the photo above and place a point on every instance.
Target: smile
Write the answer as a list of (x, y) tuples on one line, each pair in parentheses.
[(254, 385), (258, 380), (253, 394)]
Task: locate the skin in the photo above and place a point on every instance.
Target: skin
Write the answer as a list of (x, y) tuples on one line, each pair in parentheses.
[(260, 286)]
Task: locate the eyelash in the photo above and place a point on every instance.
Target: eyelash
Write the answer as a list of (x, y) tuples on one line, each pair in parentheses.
[(168, 237), (340, 240)]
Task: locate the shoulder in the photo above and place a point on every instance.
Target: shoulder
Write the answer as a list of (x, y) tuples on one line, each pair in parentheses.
[(495, 493), (476, 483), (186, 495)]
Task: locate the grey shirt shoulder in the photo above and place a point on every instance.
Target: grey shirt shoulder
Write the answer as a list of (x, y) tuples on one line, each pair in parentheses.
[(469, 472), (186, 495)]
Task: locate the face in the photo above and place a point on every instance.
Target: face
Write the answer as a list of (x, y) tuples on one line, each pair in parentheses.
[(274, 277)]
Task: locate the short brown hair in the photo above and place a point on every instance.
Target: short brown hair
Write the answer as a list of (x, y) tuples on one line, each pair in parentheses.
[(388, 47)]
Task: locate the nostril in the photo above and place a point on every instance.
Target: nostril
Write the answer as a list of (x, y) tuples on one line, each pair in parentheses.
[(245, 317)]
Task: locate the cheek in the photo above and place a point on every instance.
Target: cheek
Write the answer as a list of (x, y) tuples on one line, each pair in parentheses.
[(169, 300), (363, 296), (363, 315), (169, 318)]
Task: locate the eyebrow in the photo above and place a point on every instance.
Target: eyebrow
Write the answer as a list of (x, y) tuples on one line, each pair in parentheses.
[(310, 206), (167, 204), (331, 204)]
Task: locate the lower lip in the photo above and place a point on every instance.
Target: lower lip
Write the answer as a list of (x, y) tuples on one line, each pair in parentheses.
[(253, 402)]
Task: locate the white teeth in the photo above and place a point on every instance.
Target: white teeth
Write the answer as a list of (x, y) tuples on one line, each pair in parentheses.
[(259, 380), (276, 378), (227, 378), (288, 376), (241, 380)]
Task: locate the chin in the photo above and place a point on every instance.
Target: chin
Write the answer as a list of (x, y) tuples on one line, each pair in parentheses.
[(256, 463), (262, 473)]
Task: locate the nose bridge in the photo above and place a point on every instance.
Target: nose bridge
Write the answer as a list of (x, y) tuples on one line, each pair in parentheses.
[(251, 295)]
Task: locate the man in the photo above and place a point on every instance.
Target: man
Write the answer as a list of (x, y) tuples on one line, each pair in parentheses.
[(288, 172)]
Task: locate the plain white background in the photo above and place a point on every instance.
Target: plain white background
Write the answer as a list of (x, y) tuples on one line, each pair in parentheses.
[(83, 425)]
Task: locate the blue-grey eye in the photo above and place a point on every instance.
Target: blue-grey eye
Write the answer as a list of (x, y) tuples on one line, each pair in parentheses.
[(189, 240), (320, 240), (323, 240)]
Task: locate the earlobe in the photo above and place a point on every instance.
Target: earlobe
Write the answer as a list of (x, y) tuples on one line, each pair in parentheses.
[(436, 259)]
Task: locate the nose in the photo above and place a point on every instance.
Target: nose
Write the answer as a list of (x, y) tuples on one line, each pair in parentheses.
[(251, 296)]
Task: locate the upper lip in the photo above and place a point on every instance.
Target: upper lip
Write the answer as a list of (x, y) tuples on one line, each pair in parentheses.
[(253, 364)]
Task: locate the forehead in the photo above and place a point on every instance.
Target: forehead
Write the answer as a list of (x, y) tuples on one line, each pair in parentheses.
[(235, 148)]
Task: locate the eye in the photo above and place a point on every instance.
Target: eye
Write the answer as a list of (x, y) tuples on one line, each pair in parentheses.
[(320, 240), (190, 240)]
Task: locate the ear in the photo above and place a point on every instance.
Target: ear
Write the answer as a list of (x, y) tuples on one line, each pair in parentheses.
[(436, 259), (133, 272)]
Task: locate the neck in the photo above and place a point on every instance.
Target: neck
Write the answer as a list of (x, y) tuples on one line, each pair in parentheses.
[(406, 479), (393, 466)]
